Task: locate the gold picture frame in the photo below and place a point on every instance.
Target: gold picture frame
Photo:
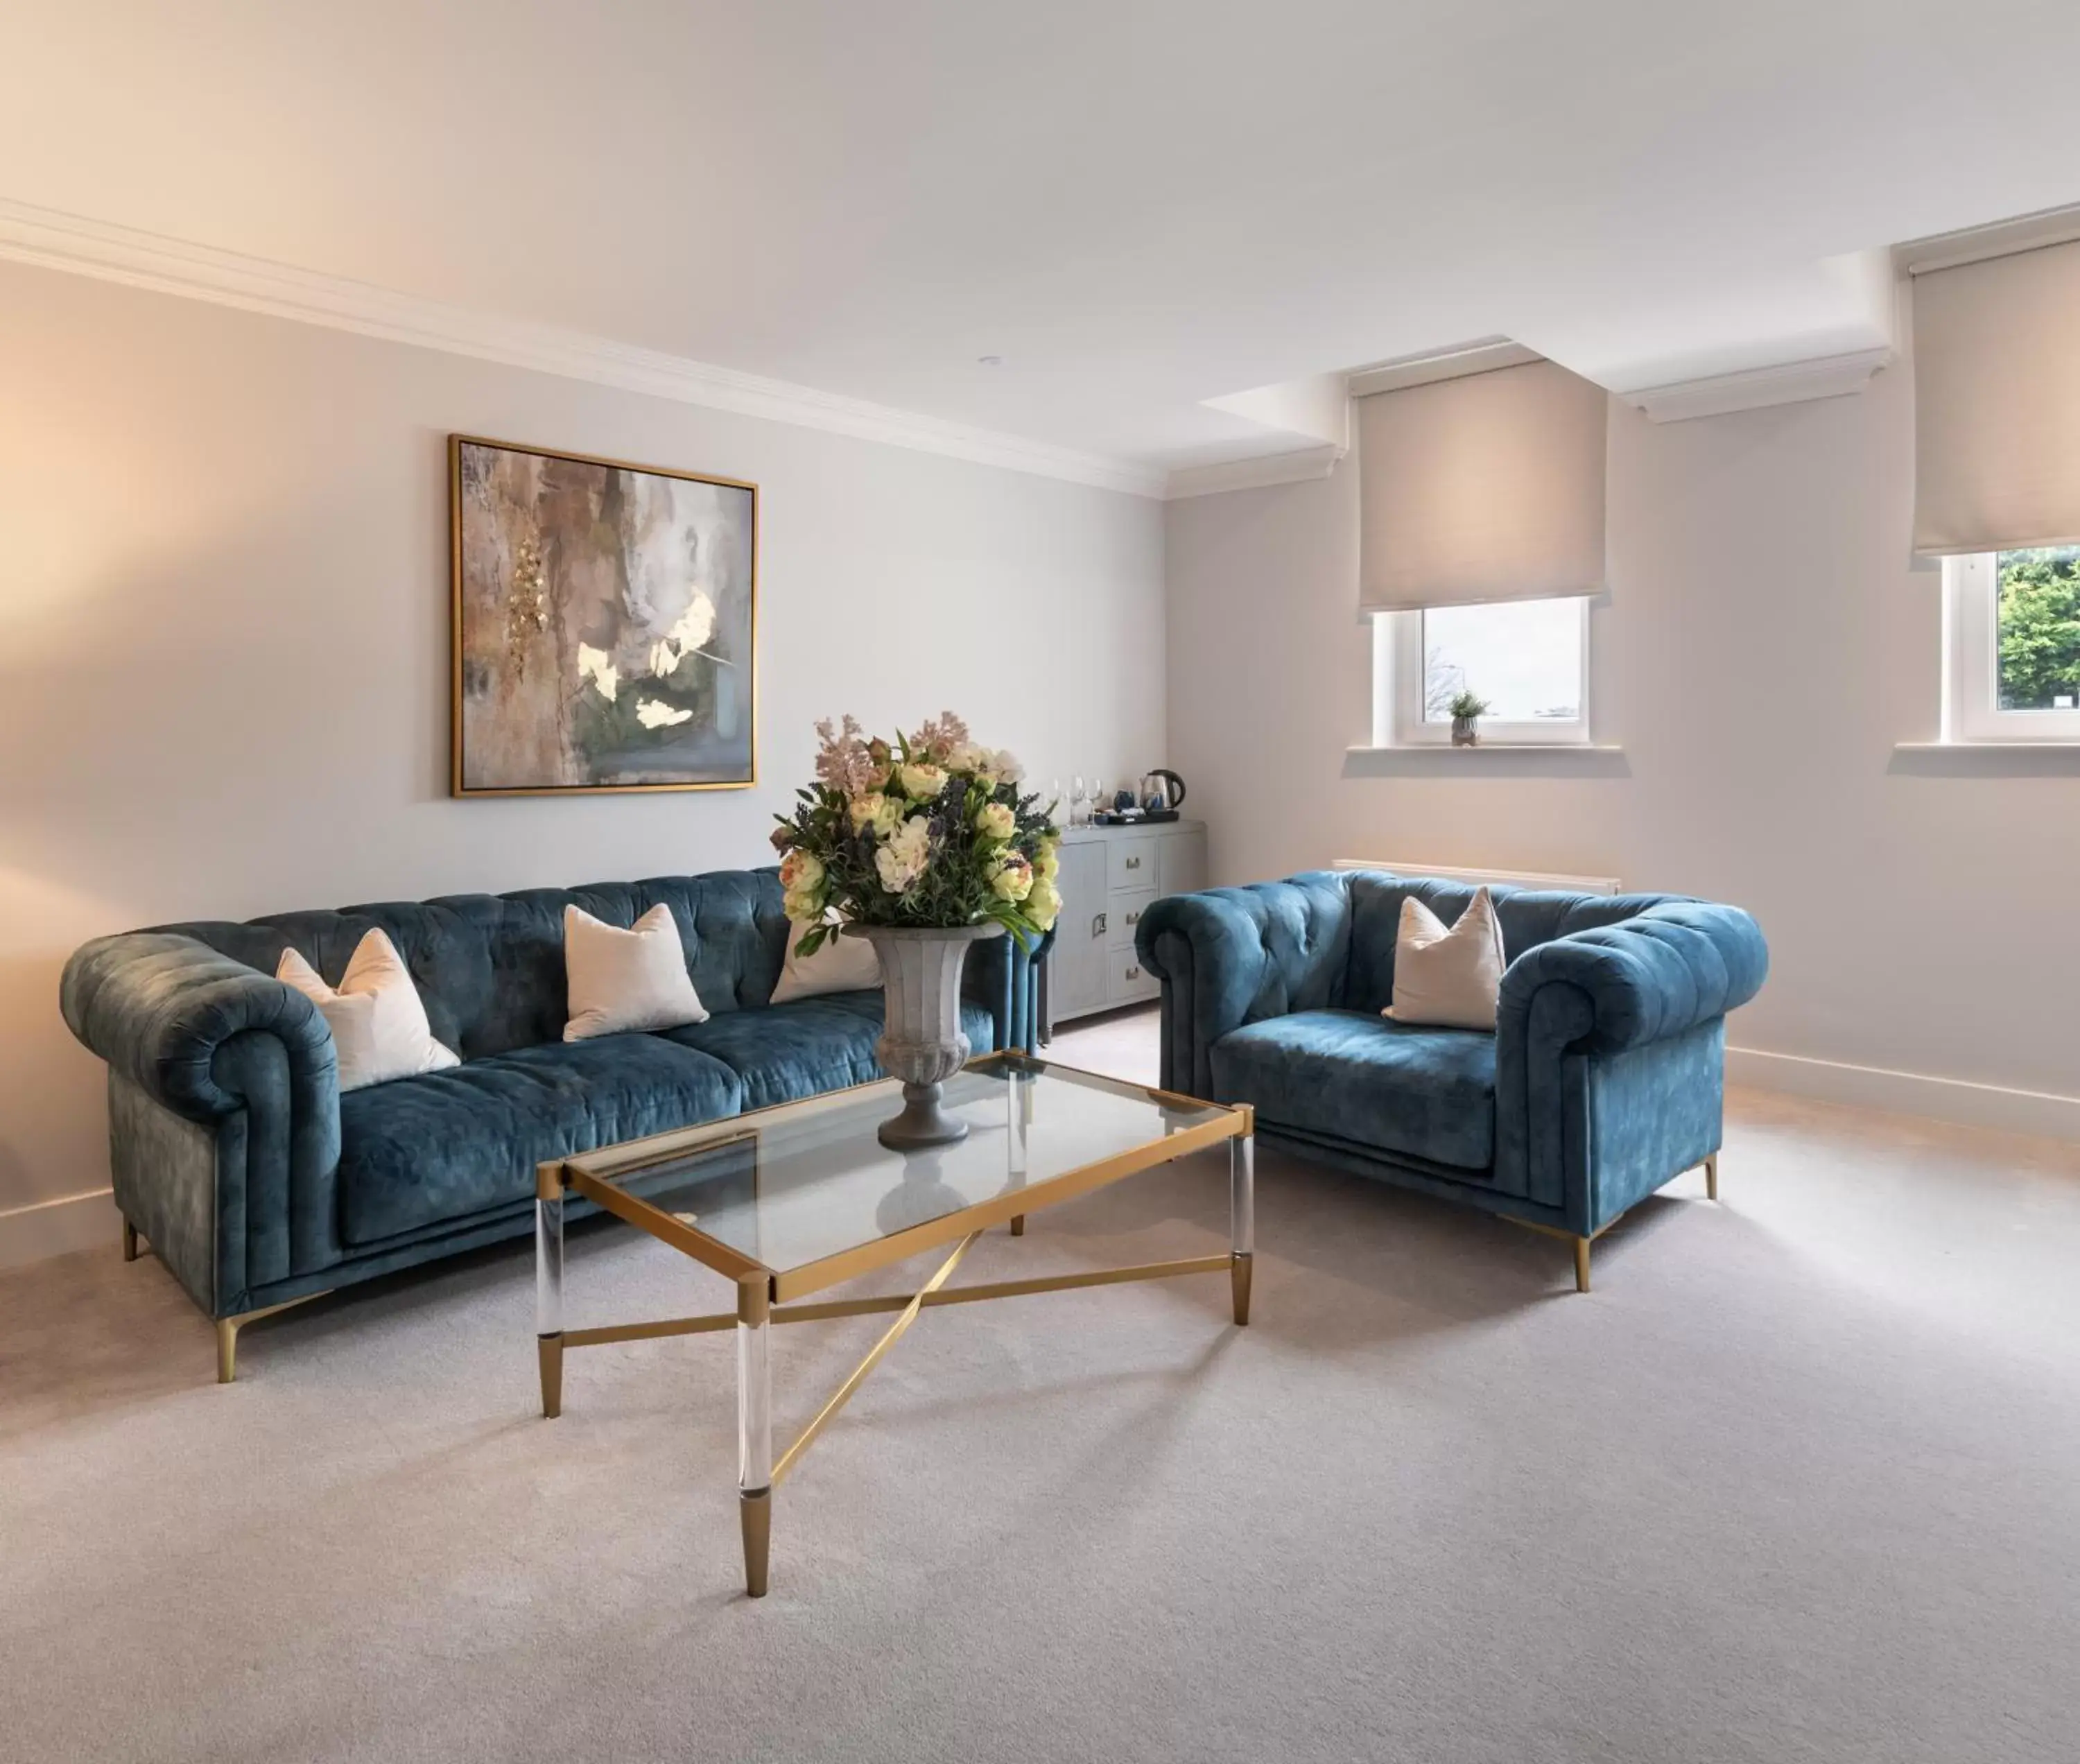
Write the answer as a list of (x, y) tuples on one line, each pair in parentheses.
[(573, 577)]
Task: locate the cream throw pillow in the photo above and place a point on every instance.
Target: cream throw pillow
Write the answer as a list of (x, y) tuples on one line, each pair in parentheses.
[(1450, 979), (843, 964), (621, 980), (378, 1020)]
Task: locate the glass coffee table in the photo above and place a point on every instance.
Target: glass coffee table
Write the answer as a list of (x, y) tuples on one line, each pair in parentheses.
[(788, 1201)]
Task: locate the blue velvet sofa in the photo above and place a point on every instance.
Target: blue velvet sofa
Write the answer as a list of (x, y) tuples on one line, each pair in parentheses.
[(1602, 1080), (258, 1183)]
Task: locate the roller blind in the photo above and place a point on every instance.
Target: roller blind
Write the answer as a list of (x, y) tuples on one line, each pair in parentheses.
[(1997, 403), (1486, 488)]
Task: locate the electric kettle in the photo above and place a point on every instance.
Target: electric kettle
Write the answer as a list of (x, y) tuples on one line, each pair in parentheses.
[(1161, 793)]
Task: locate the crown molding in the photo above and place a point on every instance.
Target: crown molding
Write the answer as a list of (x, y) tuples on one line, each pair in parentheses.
[(1999, 238), (1791, 382), (1298, 467), (80, 246), (1483, 357)]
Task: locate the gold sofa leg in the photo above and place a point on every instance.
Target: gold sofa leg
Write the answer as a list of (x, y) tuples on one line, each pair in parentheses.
[(129, 1241), (1712, 1177), (227, 1334), (1581, 1264)]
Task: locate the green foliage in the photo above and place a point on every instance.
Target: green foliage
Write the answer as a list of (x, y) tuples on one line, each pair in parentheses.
[(2040, 628), (1469, 705)]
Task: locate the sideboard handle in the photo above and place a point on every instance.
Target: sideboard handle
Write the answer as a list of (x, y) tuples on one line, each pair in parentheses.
[(1133, 863), (1133, 973), (1098, 926), (1134, 919)]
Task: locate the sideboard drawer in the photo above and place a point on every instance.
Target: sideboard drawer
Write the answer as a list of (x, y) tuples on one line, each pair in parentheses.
[(1130, 863), (1126, 980), (1123, 913)]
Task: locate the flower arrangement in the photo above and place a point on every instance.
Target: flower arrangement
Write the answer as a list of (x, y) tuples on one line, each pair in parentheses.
[(928, 831)]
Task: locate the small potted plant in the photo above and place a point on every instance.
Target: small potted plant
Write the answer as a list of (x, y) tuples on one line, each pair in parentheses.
[(1468, 708)]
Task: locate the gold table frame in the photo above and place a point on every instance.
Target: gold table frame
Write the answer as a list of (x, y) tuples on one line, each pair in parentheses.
[(766, 1296)]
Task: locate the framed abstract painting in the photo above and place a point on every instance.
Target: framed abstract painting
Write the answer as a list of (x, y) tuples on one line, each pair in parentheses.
[(605, 624)]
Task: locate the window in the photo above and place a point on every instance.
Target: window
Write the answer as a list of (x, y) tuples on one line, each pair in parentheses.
[(2011, 646), (1529, 659)]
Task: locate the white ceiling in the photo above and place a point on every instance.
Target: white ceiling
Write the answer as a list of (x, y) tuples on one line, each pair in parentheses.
[(1139, 204)]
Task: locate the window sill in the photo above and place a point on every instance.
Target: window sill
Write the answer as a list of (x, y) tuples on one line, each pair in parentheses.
[(1986, 759), (1511, 759)]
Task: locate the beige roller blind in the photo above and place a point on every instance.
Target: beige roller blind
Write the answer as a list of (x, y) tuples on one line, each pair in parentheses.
[(1486, 488), (1997, 403)]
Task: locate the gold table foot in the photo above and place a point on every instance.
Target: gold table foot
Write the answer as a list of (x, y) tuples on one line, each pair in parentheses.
[(1581, 1264), (754, 1507), (1712, 1177), (549, 1350), (1018, 1224), (129, 1241), (1239, 1270)]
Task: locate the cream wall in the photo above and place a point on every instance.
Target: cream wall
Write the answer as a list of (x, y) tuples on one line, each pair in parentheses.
[(1765, 645), (223, 544)]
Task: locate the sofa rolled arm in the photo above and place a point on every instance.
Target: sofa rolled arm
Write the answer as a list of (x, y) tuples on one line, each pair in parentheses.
[(1230, 956), (1001, 975), (1670, 968), (158, 1007)]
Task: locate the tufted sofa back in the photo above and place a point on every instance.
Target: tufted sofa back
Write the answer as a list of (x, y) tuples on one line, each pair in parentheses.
[(490, 967), (1528, 918)]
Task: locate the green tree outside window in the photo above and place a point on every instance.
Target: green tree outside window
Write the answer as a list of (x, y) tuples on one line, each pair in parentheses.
[(2039, 628)]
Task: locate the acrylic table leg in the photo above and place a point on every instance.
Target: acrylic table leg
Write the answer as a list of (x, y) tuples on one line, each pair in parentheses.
[(1242, 1218), (754, 1428), (549, 1290), (1019, 1102)]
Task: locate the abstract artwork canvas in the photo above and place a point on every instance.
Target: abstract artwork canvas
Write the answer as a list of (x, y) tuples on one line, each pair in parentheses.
[(605, 618)]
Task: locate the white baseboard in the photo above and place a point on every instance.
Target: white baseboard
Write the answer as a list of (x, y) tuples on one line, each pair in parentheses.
[(55, 1228), (2039, 1112)]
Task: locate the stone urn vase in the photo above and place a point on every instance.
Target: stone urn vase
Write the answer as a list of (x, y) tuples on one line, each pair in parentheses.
[(921, 1042), (1465, 732)]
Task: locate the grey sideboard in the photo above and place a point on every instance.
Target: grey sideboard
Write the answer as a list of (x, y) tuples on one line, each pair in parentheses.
[(1110, 875)]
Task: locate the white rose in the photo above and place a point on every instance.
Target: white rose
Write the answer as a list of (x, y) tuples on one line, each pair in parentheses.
[(922, 783), (1004, 764), (967, 757), (801, 871), (804, 909), (1012, 878), (1047, 859), (995, 821), (865, 809), (1043, 904)]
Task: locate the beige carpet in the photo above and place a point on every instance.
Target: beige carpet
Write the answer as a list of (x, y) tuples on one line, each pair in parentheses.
[(1800, 1480)]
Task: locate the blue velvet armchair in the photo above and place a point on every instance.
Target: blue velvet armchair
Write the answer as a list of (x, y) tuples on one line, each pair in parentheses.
[(257, 1183), (1602, 1080)]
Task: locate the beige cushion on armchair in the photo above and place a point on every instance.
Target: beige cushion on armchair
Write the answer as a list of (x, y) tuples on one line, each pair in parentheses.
[(1447, 978)]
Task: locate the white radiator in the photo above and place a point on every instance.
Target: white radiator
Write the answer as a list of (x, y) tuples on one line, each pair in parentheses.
[(1519, 879)]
